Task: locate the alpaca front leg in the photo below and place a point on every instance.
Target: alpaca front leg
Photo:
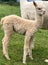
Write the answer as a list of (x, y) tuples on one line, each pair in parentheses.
[(5, 45), (26, 47), (32, 43), (30, 54), (25, 54)]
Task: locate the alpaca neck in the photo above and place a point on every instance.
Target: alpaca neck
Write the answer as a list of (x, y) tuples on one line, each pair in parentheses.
[(39, 20)]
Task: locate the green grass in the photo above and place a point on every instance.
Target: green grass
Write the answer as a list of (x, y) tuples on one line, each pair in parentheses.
[(7, 10), (40, 52)]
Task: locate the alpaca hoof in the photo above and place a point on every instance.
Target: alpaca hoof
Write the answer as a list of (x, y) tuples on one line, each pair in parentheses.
[(46, 60), (31, 57), (24, 62), (7, 57), (32, 47)]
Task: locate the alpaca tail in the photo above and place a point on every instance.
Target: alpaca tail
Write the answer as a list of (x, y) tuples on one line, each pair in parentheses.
[(1, 23), (2, 20)]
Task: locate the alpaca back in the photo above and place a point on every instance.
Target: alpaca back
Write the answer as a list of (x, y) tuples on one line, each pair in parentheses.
[(18, 24)]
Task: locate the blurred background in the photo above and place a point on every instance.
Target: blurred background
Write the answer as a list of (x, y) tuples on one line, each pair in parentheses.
[(16, 2)]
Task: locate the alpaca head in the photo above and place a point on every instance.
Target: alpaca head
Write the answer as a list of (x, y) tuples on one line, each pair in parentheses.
[(39, 10)]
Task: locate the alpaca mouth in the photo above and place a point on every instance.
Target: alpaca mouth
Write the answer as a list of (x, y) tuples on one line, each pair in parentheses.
[(42, 13)]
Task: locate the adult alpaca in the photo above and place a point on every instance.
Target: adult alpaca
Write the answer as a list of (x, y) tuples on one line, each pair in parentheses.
[(22, 26), (28, 10)]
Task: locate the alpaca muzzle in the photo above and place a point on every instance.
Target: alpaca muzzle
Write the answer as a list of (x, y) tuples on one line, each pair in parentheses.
[(43, 10)]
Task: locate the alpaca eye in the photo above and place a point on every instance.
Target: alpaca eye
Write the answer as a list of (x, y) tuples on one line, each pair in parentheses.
[(39, 8)]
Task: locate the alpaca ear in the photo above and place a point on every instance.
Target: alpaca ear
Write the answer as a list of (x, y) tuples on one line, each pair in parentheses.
[(34, 3)]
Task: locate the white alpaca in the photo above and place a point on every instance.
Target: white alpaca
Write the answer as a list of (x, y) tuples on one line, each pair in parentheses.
[(28, 10), (22, 26)]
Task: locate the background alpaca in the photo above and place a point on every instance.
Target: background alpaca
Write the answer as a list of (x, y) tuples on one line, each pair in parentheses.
[(22, 26), (28, 10)]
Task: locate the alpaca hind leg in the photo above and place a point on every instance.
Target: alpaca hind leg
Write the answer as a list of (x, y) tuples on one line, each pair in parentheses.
[(5, 45), (8, 30)]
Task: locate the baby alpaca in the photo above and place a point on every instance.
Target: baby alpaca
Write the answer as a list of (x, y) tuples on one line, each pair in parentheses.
[(22, 26)]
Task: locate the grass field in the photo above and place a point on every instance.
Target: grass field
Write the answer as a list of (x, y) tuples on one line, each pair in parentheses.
[(40, 52)]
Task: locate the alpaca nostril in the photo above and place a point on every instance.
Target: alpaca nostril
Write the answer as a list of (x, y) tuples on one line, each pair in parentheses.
[(44, 12)]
